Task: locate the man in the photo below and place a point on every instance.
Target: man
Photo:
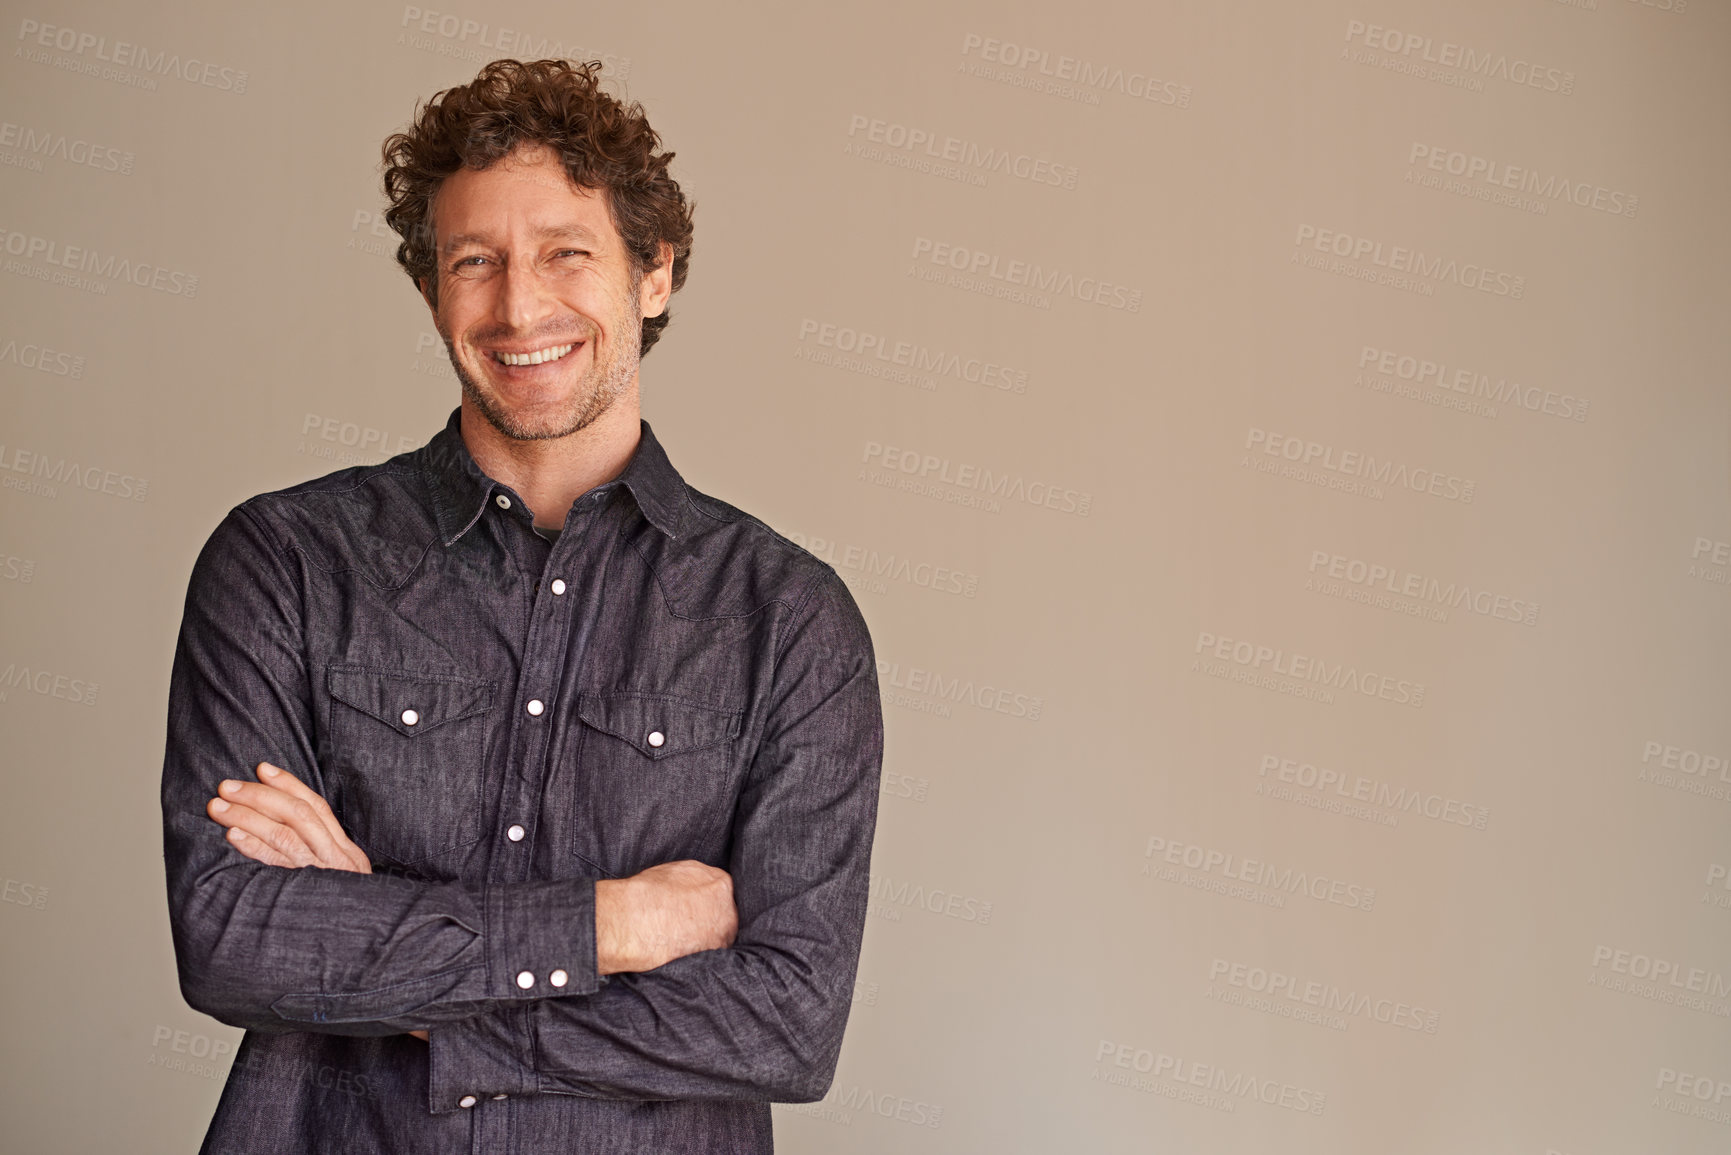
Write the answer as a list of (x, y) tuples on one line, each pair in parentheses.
[(518, 796)]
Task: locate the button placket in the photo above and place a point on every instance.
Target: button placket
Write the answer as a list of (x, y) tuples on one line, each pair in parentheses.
[(552, 656)]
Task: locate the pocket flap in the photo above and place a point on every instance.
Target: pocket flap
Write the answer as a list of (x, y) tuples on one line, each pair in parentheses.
[(410, 704), (658, 725)]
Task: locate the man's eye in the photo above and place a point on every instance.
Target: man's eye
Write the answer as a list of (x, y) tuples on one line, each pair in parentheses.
[(469, 262), (572, 253)]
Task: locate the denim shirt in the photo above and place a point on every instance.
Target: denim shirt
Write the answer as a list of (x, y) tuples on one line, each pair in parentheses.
[(498, 720)]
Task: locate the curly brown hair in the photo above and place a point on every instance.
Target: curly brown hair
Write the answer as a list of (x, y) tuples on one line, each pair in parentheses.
[(602, 143)]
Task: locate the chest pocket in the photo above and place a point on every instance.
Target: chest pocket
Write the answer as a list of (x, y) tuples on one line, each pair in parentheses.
[(658, 776), (406, 752)]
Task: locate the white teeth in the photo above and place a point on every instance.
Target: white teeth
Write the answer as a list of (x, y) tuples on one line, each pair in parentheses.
[(537, 357)]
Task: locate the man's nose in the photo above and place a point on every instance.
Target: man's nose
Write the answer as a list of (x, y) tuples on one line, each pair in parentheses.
[(524, 299)]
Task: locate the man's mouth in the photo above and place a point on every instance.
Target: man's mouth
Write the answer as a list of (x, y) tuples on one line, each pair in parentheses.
[(535, 357)]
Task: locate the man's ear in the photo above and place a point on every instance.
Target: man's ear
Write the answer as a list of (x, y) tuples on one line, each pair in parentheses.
[(657, 285)]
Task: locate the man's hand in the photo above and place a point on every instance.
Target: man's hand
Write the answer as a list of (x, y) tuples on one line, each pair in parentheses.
[(663, 913), (281, 821)]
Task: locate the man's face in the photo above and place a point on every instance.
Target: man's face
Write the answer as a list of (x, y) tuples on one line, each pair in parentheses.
[(537, 303)]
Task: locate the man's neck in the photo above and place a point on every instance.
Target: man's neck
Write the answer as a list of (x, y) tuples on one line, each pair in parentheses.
[(553, 473)]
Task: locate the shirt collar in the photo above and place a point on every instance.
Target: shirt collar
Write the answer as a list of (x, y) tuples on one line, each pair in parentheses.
[(461, 491)]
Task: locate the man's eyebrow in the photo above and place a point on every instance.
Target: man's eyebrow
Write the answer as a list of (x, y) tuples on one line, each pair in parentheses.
[(546, 232)]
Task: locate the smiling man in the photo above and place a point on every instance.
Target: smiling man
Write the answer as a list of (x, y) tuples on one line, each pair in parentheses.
[(518, 796)]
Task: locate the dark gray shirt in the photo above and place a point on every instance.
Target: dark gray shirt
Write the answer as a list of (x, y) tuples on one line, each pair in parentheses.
[(498, 721)]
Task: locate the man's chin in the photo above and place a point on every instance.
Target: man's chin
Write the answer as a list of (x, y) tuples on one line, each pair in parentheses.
[(526, 422)]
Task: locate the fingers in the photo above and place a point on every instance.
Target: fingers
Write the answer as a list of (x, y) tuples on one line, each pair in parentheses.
[(289, 823), (280, 779), (258, 837), (284, 809), (346, 854)]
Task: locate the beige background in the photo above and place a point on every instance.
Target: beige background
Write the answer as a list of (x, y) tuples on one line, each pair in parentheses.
[(1097, 706)]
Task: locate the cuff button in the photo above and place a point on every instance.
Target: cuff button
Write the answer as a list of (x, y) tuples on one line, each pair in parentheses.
[(467, 1101), (525, 979), (558, 978)]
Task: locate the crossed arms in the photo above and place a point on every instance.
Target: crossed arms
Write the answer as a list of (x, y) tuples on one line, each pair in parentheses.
[(328, 948)]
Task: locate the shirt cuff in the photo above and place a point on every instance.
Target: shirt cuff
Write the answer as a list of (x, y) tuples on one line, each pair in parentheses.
[(540, 944), (477, 1060), (541, 939)]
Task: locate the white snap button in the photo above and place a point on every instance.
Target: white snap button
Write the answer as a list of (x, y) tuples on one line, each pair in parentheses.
[(525, 979), (656, 738), (558, 586), (535, 707), (503, 501), (410, 717), (558, 978), (500, 1095), (467, 1101), (515, 834)]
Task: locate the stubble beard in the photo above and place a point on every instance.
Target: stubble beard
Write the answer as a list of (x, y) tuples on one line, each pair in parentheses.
[(599, 388)]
